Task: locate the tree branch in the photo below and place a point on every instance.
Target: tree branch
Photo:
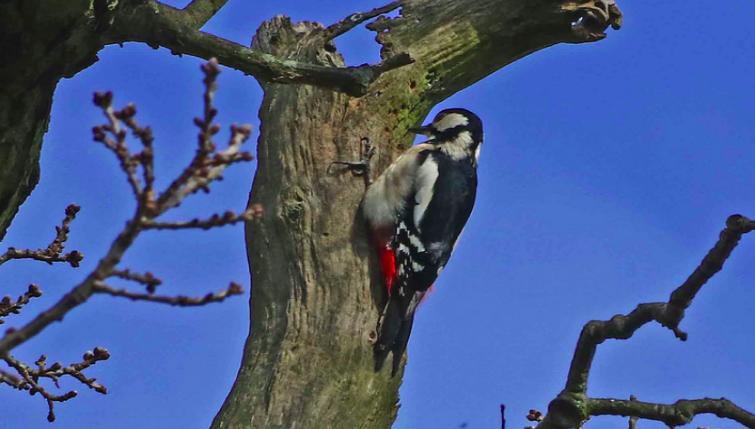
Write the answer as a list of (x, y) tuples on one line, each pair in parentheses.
[(216, 220), (8, 307), (147, 279), (178, 301), (146, 209), (198, 12), (158, 25), (52, 253), (677, 414), (668, 314), (28, 377), (205, 168), (355, 19), (571, 408)]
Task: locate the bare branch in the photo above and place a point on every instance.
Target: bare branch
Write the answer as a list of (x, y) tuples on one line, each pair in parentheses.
[(572, 406), (146, 157), (677, 414), (178, 301), (113, 137), (355, 19), (198, 12), (216, 220), (8, 307), (207, 166), (158, 25), (11, 380), (28, 378), (203, 169), (52, 253), (667, 314), (736, 226), (147, 279)]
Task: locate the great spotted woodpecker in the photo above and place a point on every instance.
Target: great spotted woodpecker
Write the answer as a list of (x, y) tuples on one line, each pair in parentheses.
[(415, 211)]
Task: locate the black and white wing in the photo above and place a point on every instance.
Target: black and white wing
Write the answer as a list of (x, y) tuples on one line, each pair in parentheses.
[(435, 214)]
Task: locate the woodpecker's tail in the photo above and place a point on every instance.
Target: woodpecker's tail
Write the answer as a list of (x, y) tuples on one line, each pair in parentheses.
[(394, 328)]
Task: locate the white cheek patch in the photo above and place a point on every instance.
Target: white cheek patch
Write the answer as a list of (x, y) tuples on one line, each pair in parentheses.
[(452, 120), (458, 148)]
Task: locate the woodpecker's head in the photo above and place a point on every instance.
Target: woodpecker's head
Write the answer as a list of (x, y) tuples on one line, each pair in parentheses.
[(450, 124)]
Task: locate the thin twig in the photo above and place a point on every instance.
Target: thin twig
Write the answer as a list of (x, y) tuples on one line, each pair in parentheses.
[(203, 168), (8, 306), (197, 177), (206, 167), (570, 408), (677, 414), (53, 251), (146, 157), (169, 28), (113, 129), (147, 279), (28, 379), (216, 220), (11, 380), (351, 21), (668, 314), (178, 301)]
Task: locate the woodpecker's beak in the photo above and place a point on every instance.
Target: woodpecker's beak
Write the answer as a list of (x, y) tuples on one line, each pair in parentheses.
[(426, 130)]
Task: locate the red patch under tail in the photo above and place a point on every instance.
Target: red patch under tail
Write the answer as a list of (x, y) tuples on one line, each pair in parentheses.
[(388, 264)]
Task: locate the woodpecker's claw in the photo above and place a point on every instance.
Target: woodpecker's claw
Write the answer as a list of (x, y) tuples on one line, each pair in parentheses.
[(361, 167)]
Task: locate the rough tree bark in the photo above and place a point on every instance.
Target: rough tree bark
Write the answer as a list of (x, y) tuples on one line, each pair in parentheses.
[(39, 44), (308, 361)]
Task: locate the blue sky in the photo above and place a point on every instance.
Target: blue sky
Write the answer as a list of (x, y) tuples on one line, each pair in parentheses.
[(607, 172)]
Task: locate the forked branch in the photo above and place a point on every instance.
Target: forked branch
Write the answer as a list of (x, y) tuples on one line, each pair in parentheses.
[(177, 301), (206, 167), (351, 21), (54, 251), (28, 378), (572, 406), (677, 414), (156, 24)]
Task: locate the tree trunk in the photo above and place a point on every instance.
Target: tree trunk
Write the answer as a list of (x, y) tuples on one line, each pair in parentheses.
[(40, 42), (316, 293)]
